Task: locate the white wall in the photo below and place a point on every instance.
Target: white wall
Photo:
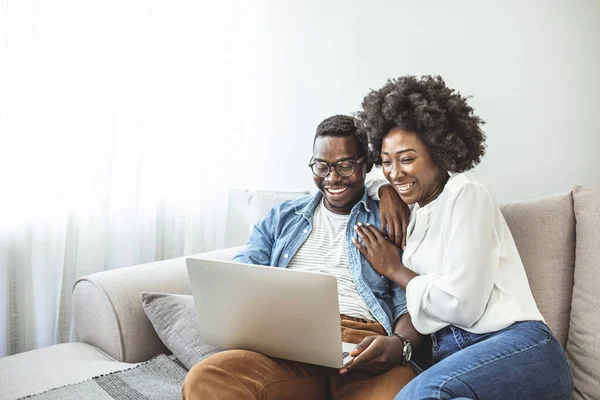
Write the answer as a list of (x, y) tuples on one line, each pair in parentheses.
[(532, 68)]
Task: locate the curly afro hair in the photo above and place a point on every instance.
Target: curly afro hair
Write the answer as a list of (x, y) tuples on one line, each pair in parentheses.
[(439, 115)]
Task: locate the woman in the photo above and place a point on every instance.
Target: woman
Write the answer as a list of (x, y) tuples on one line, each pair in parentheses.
[(464, 280)]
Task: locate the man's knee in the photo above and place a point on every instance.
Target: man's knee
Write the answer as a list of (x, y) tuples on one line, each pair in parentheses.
[(212, 375), (231, 361), (232, 358)]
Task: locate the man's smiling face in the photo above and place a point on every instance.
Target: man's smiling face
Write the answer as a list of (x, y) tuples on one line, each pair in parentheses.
[(340, 193)]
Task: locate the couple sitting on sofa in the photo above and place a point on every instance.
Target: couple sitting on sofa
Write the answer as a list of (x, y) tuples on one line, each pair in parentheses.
[(459, 279)]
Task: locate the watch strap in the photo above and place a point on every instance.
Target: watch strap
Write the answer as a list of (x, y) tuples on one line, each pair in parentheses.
[(405, 344)]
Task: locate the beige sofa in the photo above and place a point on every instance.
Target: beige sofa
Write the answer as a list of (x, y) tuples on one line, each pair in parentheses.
[(558, 238)]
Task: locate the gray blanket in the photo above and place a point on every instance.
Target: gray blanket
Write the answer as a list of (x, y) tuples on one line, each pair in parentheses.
[(160, 378)]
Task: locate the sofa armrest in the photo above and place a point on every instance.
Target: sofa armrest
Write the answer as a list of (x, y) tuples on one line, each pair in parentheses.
[(107, 306)]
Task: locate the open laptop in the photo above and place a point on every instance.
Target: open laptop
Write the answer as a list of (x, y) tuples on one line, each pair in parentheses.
[(277, 312)]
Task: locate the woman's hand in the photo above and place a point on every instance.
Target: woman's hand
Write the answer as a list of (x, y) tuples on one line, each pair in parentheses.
[(395, 214), (382, 254)]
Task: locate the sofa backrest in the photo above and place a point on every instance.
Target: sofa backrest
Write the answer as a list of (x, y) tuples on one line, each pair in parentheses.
[(544, 232), (558, 239), (583, 347), (248, 206)]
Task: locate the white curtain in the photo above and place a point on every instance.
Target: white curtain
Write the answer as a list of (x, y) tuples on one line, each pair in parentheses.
[(113, 134)]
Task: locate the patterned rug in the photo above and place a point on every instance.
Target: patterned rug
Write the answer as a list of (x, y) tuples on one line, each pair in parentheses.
[(159, 378)]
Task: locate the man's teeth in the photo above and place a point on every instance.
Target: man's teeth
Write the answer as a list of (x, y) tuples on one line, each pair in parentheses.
[(406, 186), (336, 191)]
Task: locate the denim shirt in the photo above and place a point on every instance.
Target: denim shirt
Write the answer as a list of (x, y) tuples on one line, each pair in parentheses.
[(276, 238)]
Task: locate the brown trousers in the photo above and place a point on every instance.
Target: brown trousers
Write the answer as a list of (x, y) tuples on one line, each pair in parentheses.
[(242, 374)]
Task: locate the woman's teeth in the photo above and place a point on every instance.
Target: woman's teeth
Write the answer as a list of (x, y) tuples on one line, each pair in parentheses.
[(336, 191), (405, 187)]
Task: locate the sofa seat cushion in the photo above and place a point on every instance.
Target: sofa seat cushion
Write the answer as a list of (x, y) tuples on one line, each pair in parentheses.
[(583, 347), (544, 233), (50, 367)]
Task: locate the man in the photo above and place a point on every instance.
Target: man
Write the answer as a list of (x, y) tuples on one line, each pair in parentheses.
[(315, 233)]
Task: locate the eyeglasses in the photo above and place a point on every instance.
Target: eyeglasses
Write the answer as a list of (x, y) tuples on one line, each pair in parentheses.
[(343, 168)]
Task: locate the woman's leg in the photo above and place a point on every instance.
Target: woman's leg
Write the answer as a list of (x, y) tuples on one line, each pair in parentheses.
[(522, 362)]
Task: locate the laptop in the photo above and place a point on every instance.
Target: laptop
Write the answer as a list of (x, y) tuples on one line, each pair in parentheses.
[(277, 312)]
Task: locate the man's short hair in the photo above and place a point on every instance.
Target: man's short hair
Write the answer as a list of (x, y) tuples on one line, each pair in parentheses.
[(343, 126)]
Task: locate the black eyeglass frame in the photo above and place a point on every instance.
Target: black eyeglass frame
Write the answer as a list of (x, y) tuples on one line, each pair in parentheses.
[(335, 165)]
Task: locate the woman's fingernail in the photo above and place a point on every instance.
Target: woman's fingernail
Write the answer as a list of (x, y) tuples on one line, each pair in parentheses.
[(355, 227), (360, 224), (368, 224)]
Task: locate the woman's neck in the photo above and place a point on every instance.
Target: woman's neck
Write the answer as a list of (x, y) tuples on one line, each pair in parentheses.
[(439, 188)]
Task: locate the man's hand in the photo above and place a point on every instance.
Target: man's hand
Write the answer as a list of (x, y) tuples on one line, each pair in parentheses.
[(375, 354), (395, 214)]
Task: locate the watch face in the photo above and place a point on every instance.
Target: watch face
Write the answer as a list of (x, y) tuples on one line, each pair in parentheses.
[(408, 352)]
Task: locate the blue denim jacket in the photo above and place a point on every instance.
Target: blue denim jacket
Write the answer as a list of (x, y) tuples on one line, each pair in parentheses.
[(276, 238)]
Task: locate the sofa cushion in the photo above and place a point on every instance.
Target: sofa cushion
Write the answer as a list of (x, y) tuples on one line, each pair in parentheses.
[(583, 347), (50, 367), (260, 203), (174, 319), (544, 232)]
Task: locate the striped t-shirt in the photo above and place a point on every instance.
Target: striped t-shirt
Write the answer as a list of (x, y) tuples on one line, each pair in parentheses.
[(325, 251)]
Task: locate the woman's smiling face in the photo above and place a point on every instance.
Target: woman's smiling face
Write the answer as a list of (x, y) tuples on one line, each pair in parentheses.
[(407, 164)]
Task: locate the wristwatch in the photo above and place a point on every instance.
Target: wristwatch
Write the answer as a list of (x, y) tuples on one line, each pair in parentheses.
[(406, 349)]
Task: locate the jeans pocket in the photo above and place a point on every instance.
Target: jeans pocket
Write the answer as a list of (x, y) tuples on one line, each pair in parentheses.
[(472, 338)]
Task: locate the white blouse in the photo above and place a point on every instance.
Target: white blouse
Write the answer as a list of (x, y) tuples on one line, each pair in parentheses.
[(470, 273)]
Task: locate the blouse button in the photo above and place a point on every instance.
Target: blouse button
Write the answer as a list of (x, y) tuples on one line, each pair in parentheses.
[(285, 255), (306, 231)]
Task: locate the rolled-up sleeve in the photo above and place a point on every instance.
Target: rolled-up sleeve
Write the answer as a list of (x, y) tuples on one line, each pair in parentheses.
[(374, 181), (399, 302)]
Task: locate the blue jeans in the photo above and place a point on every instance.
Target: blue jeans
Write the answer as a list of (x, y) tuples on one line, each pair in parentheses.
[(523, 361)]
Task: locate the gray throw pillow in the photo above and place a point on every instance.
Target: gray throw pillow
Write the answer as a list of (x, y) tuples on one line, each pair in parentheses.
[(174, 319)]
